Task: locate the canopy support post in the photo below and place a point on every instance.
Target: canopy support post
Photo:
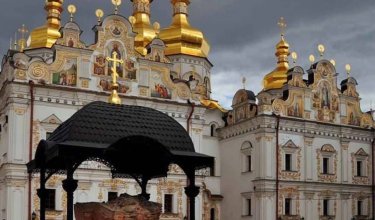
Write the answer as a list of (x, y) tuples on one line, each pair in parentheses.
[(191, 191), (70, 185), (41, 192)]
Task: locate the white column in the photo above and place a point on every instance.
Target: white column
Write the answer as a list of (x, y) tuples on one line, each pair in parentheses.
[(309, 206), (344, 161), (308, 158), (18, 134)]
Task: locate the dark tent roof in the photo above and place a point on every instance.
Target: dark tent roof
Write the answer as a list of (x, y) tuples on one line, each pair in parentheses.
[(121, 135)]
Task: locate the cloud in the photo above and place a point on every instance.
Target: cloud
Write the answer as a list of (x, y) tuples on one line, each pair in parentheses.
[(243, 33), (350, 42)]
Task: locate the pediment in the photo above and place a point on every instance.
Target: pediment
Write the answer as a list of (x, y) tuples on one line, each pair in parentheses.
[(52, 119), (362, 153), (290, 144)]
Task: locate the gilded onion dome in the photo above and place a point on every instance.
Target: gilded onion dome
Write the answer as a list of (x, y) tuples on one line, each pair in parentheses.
[(142, 25), (276, 78), (46, 35), (180, 37)]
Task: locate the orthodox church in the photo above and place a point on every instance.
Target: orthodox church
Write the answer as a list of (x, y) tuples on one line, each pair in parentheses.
[(299, 149)]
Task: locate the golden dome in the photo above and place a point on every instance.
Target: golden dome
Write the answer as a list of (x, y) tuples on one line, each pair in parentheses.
[(46, 35), (142, 25), (277, 78), (180, 37)]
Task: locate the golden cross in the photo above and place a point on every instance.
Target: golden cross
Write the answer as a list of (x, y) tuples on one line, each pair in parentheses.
[(282, 25), (23, 30), (115, 62)]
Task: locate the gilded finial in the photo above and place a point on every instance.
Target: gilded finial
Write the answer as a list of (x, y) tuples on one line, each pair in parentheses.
[(132, 20), (333, 62), (22, 41), (114, 98), (15, 41), (312, 59), (321, 49), (348, 68), (244, 82), (294, 57), (156, 27), (72, 9), (99, 14), (116, 3), (282, 24)]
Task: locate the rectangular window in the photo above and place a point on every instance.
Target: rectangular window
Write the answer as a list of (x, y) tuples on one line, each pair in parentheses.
[(168, 203), (212, 169), (249, 162), (288, 162), (112, 196), (50, 199), (325, 207), (288, 204), (249, 207), (325, 165), (359, 168), (359, 207)]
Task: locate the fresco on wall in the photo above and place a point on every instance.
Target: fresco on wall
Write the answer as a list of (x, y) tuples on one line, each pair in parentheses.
[(68, 75), (158, 89), (106, 86), (131, 71), (99, 65)]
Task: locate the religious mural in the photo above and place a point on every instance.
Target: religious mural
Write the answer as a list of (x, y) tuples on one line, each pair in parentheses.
[(296, 109), (131, 71), (67, 76), (99, 65), (106, 85), (158, 88)]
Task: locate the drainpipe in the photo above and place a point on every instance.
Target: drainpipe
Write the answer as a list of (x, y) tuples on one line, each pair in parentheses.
[(373, 176), (31, 84), (277, 165), (190, 116), (188, 131)]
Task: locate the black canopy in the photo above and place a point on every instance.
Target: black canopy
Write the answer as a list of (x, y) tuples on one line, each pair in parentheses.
[(133, 141)]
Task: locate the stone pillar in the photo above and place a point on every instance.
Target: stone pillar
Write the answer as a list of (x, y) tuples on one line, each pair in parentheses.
[(309, 165), (309, 206), (344, 205), (344, 161)]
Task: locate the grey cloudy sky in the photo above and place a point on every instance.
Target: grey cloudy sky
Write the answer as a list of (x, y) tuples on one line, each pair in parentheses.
[(243, 34)]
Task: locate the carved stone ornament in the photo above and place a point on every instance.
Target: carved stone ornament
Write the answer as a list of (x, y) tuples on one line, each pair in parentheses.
[(183, 91), (38, 70)]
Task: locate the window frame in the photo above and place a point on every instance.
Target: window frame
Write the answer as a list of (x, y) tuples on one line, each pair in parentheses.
[(170, 207), (50, 199), (288, 206), (246, 155)]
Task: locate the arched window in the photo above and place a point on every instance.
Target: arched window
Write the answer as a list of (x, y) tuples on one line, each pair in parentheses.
[(247, 160), (213, 130)]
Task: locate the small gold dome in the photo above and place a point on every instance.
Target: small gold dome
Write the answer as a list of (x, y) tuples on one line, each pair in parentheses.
[(46, 35), (180, 37), (142, 25), (277, 78)]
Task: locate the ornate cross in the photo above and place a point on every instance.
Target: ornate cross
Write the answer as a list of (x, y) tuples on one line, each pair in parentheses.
[(282, 25), (115, 62)]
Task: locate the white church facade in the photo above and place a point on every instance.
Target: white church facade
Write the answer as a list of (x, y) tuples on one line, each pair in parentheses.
[(300, 149)]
